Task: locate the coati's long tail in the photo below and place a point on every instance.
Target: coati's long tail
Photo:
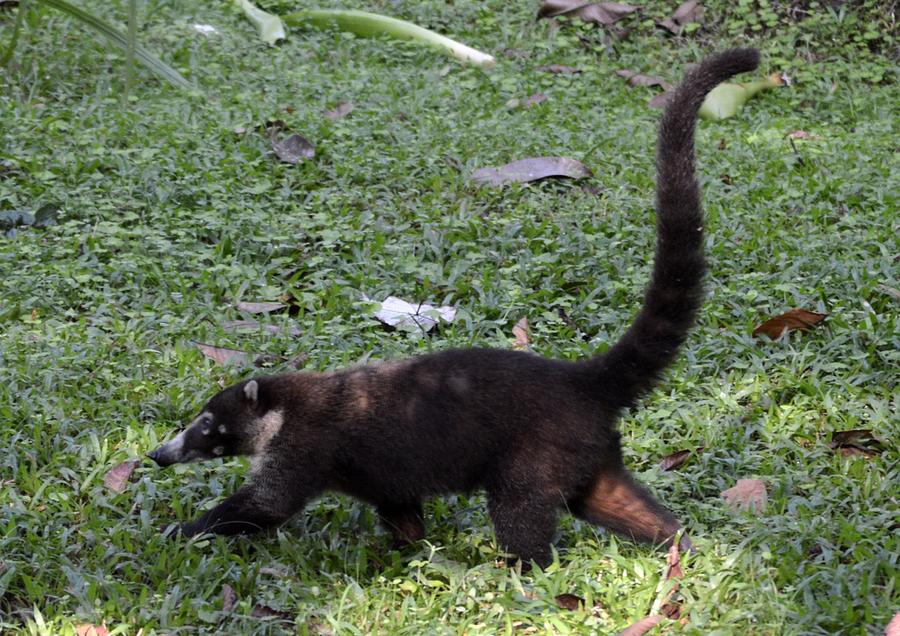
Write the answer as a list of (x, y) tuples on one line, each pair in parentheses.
[(632, 366)]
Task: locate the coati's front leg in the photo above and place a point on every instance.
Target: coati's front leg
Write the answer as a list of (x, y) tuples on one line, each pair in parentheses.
[(251, 509), (404, 521), (616, 501)]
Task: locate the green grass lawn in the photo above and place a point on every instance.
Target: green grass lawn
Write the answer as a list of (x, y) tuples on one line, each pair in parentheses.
[(168, 217)]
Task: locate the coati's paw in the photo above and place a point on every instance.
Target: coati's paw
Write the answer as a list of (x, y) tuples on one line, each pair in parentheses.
[(170, 531)]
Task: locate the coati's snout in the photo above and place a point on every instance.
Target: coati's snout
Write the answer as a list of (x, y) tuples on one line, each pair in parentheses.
[(219, 431)]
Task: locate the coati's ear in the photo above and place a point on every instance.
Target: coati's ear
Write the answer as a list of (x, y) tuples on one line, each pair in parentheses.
[(251, 391)]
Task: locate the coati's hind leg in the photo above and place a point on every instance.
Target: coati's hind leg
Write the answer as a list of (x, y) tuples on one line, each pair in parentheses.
[(616, 501), (404, 521), (524, 523)]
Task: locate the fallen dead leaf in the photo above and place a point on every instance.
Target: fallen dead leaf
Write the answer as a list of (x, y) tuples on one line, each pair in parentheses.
[(259, 307), (91, 630), (223, 355), (686, 13), (673, 563), (893, 628), (856, 442), (558, 69), (341, 110), (604, 13), (638, 79), (400, 314), (229, 598), (522, 333), (264, 611), (532, 169), (117, 478), (793, 320), (293, 149), (676, 459), (569, 601), (660, 100), (642, 626), (746, 494)]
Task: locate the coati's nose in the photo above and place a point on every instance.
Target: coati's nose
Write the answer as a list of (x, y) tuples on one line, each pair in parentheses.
[(154, 455)]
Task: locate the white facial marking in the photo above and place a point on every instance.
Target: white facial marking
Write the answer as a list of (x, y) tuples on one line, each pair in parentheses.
[(222, 429), (251, 390), (267, 428), (218, 450), (174, 445)]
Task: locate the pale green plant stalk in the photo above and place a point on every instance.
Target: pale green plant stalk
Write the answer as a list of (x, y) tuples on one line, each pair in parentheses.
[(271, 28), (371, 24)]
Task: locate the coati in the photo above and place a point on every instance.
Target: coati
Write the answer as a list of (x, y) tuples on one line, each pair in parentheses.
[(538, 435)]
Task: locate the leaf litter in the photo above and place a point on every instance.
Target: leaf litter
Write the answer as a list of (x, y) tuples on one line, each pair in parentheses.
[(117, 478), (793, 320), (856, 442), (746, 494), (686, 13), (605, 13), (532, 169), (639, 79)]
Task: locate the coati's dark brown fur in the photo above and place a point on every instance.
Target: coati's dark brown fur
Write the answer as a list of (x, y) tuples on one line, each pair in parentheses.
[(538, 435)]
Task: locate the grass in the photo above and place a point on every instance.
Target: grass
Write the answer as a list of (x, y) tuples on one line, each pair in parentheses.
[(167, 218)]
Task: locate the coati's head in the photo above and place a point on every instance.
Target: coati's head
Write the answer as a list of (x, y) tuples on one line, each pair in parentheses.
[(233, 422)]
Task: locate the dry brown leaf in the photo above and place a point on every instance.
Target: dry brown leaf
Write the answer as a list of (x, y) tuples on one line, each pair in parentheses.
[(793, 320), (522, 332), (259, 307), (660, 100), (264, 611), (639, 79), (676, 459), (569, 602), (687, 12), (604, 13), (223, 355), (746, 494), (642, 626), (532, 169), (673, 563), (117, 478), (293, 149), (534, 99), (229, 598), (87, 629), (893, 628), (558, 69), (341, 110)]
